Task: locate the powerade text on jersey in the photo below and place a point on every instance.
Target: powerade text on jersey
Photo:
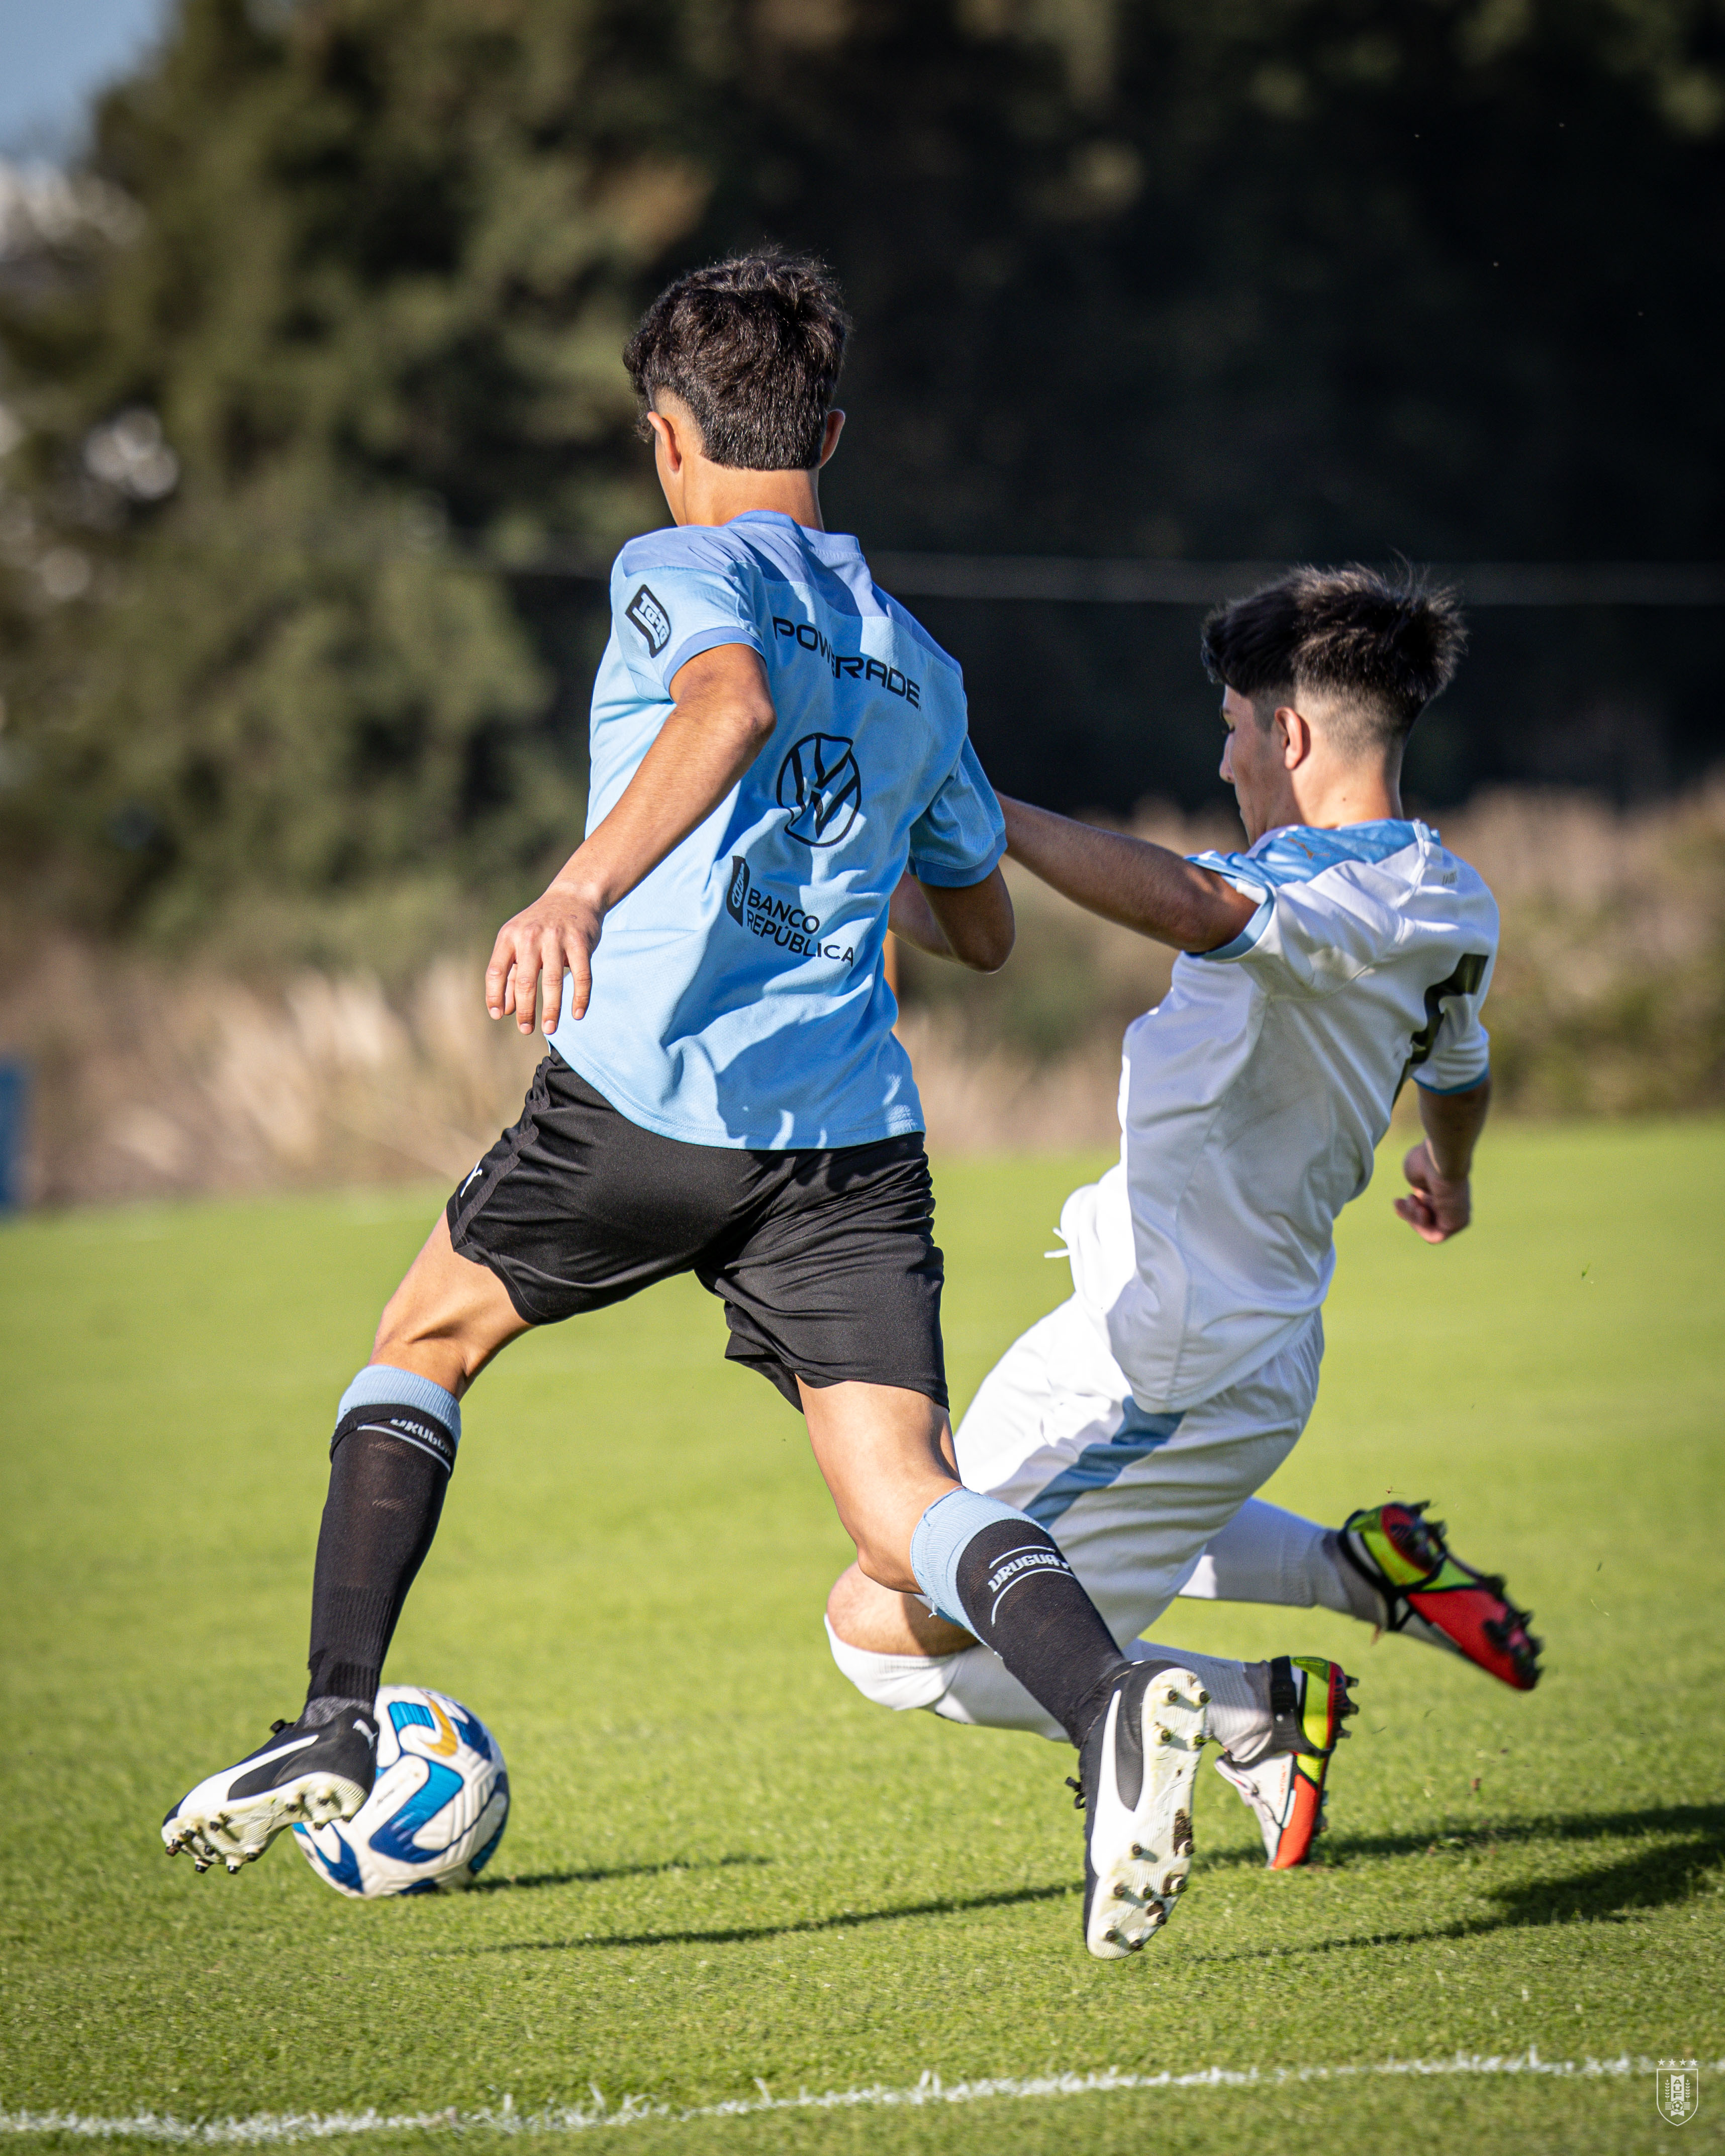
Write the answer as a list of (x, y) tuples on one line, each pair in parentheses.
[(738, 994)]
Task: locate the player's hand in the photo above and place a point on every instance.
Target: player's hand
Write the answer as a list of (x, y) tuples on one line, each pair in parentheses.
[(1435, 1207), (557, 935)]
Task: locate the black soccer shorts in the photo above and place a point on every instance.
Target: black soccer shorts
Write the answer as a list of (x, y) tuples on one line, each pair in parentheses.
[(825, 1261)]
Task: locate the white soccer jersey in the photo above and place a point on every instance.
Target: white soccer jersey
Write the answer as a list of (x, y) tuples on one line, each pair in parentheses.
[(1253, 1097)]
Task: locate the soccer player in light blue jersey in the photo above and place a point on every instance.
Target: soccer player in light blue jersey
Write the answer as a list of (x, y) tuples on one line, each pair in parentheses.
[(780, 765)]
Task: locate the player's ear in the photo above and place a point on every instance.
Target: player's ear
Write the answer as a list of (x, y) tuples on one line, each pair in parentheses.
[(665, 431), (830, 438), (1293, 736)]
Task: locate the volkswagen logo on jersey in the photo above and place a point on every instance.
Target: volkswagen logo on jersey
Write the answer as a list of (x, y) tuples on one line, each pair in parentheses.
[(819, 783)]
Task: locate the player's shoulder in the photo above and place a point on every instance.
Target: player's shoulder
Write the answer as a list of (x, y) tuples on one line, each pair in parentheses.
[(907, 625), (1305, 853), (680, 546)]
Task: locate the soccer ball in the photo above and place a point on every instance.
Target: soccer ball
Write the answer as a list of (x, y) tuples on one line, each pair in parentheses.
[(437, 1810)]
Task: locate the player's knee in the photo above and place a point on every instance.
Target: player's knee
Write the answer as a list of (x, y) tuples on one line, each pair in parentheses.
[(899, 1682)]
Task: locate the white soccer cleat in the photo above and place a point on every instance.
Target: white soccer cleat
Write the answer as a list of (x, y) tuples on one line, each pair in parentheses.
[(1136, 1768), (301, 1777)]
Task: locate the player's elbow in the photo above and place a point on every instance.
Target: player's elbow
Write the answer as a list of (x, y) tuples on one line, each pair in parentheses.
[(756, 722), (984, 943), (991, 951)]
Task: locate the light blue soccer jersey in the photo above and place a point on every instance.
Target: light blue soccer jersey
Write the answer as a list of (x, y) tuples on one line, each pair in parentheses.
[(739, 997)]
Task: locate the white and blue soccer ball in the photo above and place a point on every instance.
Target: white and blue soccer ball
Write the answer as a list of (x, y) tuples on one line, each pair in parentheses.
[(437, 1810)]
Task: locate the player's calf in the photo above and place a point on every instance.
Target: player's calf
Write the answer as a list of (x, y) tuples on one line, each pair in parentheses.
[(394, 1443)]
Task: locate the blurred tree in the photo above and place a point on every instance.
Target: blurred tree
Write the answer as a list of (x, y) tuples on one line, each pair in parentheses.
[(387, 253), (1247, 277)]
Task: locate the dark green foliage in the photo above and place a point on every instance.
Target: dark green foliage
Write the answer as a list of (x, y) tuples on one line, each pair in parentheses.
[(388, 253), (1324, 278)]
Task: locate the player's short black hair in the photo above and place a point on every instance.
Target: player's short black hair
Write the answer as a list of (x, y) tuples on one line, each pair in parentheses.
[(1384, 648), (753, 347)]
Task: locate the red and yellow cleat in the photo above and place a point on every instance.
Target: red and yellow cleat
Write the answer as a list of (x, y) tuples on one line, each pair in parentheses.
[(1309, 1702), (1428, 1594)]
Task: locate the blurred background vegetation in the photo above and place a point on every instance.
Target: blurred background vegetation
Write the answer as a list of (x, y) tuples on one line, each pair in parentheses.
[(309, 380)]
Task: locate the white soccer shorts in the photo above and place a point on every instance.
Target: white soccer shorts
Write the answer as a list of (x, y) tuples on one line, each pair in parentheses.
[(1133, 1497)]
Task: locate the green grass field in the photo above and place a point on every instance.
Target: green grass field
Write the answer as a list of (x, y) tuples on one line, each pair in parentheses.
[(724, 1869)]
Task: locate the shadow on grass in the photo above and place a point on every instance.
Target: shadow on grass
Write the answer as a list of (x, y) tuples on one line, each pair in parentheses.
[(523, 1880), (1691, 1838), (1690, 1841), (1697, 1822), (737, 1934)]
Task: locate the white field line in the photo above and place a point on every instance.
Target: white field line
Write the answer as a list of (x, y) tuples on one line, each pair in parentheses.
[(267, 2127)]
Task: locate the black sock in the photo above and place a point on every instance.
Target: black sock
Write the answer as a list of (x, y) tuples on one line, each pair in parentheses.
[(1022, 1599), (389, 1466)]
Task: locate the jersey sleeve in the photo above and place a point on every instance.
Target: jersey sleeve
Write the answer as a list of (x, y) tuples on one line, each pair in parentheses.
[(1300, 940), (961, 834), (666, 614), (1458, 1049)]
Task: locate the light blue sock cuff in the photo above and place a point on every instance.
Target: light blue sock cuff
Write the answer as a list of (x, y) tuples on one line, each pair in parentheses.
[(378, 1386), (941, 1537)]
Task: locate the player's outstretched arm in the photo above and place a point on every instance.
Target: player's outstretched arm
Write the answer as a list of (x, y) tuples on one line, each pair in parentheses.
[(1439, 1202), (721, 718), (972, 923), (1129, 880)]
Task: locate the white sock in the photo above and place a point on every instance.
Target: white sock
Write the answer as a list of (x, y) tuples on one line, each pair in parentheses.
[(975, 1687), (1264, 1554)]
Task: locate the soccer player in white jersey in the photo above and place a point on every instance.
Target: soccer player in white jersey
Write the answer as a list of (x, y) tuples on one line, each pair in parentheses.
[(780, 762), (1344, 953)]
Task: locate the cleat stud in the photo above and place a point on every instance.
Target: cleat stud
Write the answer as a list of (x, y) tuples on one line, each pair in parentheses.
[(1139, 1851), (1204, 1699), (1122, 1893), (1164, 1736), (1110, 1938), (1172, 1885)]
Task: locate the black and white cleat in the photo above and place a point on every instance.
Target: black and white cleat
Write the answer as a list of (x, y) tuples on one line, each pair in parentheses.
[(301, 1777), (1136, 1768)]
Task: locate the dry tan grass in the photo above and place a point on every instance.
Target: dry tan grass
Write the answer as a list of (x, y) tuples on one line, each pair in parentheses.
[(1610, 999)]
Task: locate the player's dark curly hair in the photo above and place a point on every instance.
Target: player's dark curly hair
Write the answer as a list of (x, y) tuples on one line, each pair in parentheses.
[(1383, 648), (753, 347)]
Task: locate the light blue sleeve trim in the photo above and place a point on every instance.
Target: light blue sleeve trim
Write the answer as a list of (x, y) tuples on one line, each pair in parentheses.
[(710, 639), (1439, 1092), (941, 1537), (379, 1386), (949, 879), (1240, 945)]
